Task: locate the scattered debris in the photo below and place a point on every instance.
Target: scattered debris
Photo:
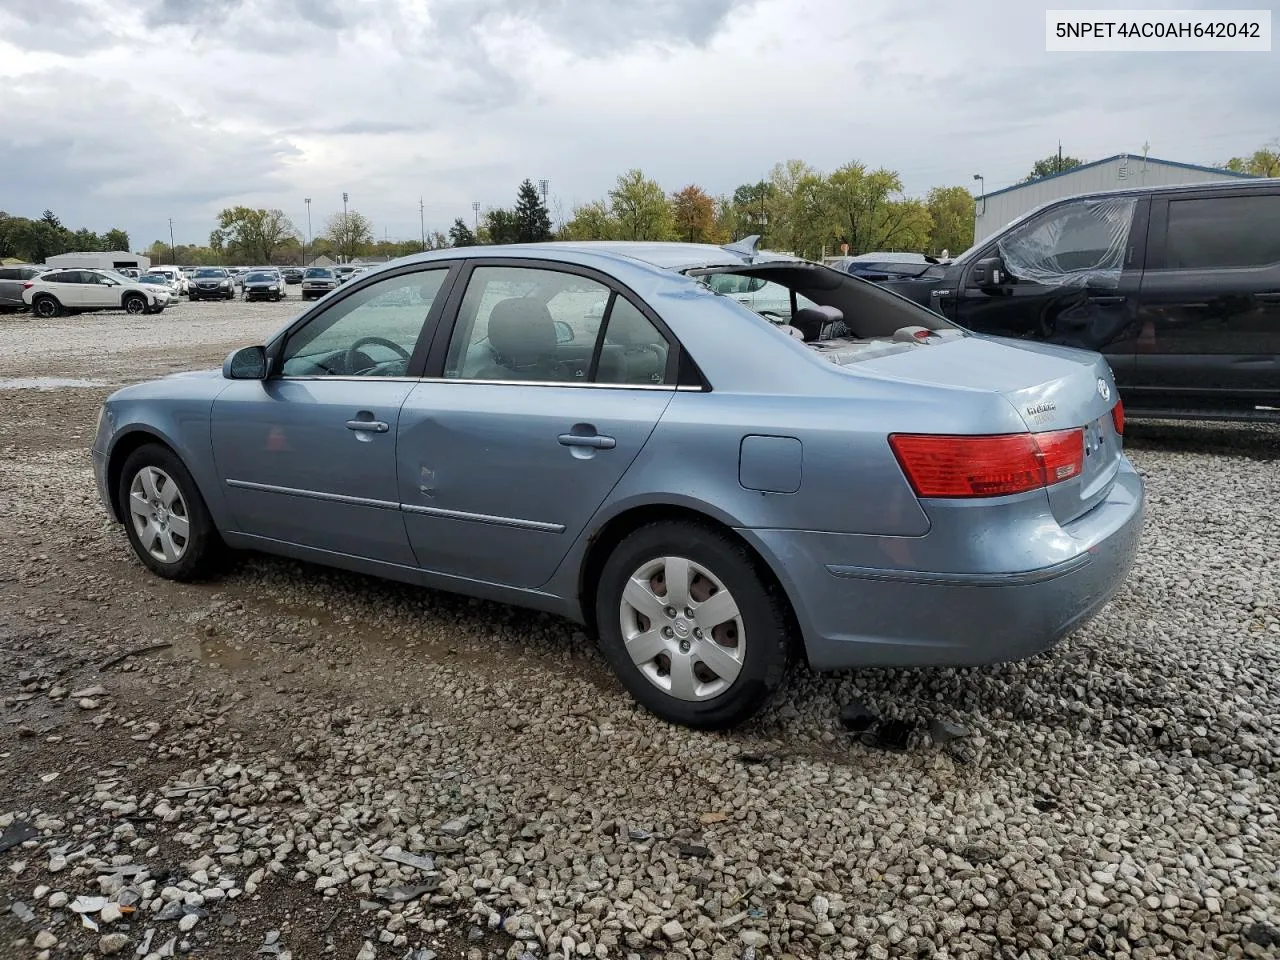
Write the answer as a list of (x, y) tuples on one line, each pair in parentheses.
[(417, 861), (694, 850), (714, 816), (858, 717), (1045, 804), (403, 894), (94, 691), (22, 911), (943, 731), (154, 648), (455, 827), (84, 904), (16, 833)]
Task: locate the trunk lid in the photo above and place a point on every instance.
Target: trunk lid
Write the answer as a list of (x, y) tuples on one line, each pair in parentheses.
[(1051, 387)]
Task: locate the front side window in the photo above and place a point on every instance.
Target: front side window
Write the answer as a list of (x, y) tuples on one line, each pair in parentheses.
[(371, 333), (1079, 244), (1220, 232)]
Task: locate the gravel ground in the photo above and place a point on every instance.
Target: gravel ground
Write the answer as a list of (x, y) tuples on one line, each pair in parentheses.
[(320, 764)]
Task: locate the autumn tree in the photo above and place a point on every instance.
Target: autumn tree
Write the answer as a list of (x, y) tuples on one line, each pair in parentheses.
[(254, 233), (640, 208), (533, 220), (1053, 163), (1263, 162), (694, 214), (460, 235), (952, 210)]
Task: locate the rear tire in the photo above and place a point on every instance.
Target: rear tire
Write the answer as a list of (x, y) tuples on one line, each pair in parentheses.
[(165, 516), (714, 669), (46, 306)]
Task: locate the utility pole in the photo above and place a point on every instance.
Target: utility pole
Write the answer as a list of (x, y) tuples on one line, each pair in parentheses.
[(544, 186), (475, 208), (346, 229), (422, 224), (1059, 168), (173, 253), (307, 201)]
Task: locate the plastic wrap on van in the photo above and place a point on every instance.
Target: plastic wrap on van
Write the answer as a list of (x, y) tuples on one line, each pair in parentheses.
[(1079, 245)]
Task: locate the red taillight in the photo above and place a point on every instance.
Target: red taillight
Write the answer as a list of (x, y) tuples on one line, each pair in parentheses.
[(959, 466), (27, 285), (1117, 416)]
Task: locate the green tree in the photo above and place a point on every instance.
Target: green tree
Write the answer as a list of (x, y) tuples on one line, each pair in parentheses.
[(1263, 162), (867, 212), (254, 233), (796, 211), (952, 210), (694, 214), (115, 239), (84, 240), (460, 235), (591, 221), (746, 212), (349, 234), (533, 219), (640, 208), (51, 218), (501, 226), (1052, 164)]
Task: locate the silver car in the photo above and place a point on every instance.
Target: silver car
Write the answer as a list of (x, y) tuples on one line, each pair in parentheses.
[(590, 429)]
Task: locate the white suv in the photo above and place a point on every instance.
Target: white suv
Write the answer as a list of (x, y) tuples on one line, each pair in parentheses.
[(75, 291)]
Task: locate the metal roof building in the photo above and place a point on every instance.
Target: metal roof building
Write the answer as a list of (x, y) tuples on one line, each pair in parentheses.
[(998, 208)]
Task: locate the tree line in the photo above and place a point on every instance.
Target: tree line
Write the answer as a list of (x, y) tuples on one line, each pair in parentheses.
[(35, 240)]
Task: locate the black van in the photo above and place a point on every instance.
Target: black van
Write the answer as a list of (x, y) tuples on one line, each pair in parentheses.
[(1178, 286)]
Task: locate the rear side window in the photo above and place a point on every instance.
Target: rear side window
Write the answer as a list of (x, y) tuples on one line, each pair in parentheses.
[(1217, 232), (64, 277)]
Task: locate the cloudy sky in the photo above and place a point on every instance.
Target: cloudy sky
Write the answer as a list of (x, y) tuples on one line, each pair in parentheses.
[(129, 112)]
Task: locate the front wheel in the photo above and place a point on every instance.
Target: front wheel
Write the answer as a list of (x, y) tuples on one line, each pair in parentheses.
[(166, 519), (135, 304), (691, 626)]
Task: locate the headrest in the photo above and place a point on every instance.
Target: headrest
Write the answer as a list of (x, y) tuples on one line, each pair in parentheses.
[(522, 331), (811, 320)]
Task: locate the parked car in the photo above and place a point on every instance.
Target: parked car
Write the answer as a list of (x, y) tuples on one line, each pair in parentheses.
[(263, 285), (164, 280), (11, 281), (211, 283), (279, 274), (887, 266), (714, 496), (177, 281), (345, 272), (316, 282), (131, 272), (77, 291), (292, 274), (1179, 286)]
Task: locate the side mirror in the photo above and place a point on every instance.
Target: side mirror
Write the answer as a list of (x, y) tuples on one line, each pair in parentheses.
[(990, 272), (564, 332), (247, 363)]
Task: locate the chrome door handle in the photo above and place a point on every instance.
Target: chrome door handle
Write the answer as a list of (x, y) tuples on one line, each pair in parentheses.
[(595, 441), (368, 426)]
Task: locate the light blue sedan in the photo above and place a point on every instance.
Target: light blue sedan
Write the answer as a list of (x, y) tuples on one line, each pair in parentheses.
[(591, 429)]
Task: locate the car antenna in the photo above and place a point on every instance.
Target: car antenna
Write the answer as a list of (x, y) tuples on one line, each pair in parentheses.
[(746, 247)]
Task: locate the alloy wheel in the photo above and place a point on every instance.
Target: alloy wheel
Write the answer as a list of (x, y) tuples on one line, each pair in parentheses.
[(159, 514), (682, 628)]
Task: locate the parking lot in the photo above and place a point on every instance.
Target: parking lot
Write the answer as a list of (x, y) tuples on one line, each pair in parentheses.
[(262, 746)]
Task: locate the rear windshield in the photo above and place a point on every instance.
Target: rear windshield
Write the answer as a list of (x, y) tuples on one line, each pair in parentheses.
[(261, 278), (319, 272)]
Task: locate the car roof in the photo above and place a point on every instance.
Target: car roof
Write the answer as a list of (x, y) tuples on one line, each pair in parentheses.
[(667, 257), (889, 257)]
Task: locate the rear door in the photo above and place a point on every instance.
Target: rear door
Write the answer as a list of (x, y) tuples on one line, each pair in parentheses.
[(1072, 275), (1209, 306), (535, 404)]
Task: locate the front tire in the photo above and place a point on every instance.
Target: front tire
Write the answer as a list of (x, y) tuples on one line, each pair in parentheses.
[(692, 626), (135, 304), (165, 517)]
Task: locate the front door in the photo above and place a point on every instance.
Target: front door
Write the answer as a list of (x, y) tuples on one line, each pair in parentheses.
[(1071, 276), (550, 386), (308, 456), (1210, 303)]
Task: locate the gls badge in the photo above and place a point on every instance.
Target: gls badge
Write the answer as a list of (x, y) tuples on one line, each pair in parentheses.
[(1104, 391)]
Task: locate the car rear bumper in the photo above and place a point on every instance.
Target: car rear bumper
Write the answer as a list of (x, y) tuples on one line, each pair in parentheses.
[(856, 615)]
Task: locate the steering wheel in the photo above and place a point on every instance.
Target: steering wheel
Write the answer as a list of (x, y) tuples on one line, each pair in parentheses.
[(353, 351)]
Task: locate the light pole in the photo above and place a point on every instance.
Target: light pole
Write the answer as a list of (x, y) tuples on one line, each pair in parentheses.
[(422, 224), (346, 228), (475, 208), (173, 253), (982, 191), (307, 201)]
